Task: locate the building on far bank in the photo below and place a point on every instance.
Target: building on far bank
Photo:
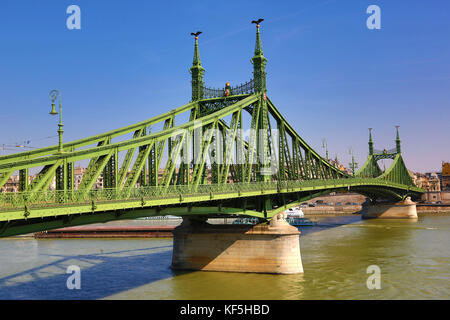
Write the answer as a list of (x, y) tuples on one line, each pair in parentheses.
[(445, 182), (428, 181), (436, 184), (340, 166), (12, 185), (431, 183)]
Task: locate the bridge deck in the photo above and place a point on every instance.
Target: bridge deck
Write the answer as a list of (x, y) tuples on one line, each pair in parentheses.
[(18, 205)]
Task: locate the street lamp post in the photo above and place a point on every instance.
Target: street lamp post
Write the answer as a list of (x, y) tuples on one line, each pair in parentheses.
[(325, 145), (353, 164), (54, 94)]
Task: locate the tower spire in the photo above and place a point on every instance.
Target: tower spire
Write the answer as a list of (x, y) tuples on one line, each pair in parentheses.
[(370, 142), (258, 44), (197, 71), (196, 61), (397, 141), (259, 61)]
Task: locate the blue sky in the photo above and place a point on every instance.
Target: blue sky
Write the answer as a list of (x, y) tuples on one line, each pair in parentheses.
[(328, 74)]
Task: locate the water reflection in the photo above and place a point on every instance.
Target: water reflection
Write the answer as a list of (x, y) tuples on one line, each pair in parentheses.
[(106, 267)]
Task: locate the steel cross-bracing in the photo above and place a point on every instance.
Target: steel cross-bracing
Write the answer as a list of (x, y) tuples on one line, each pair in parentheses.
[(236, 155)]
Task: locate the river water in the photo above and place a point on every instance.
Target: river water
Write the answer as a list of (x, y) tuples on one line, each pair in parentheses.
[(413, 258)]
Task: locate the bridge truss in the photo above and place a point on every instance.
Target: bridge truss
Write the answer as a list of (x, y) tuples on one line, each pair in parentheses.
[(236, 154)]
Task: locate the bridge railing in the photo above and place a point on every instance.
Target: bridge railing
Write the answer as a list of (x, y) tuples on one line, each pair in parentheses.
[(55, 198), (246, 88)]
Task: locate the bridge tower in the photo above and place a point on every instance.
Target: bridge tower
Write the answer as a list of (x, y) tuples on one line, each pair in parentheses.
[(263, 248), (259, 76), (402, 206), (197, 72)]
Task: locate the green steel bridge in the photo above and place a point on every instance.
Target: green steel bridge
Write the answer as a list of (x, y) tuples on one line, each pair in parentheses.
[(202, 166)]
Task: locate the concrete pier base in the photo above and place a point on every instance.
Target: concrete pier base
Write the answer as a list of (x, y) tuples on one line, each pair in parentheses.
[(401, 210), (262, 248)]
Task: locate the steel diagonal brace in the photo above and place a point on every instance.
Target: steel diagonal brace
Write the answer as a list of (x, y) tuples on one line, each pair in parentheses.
[(78, 155), (137, 168), (162, 144), (370, 168), (199, 172), (170, 167), (13, 158), (43, 179), (252, 143), (287, 154), (222, 125), (229, 146), (94, 159), (301, 162), (278, 116), (127, 160), (92, 176), (397, 172), (4, 176), (37, 196)]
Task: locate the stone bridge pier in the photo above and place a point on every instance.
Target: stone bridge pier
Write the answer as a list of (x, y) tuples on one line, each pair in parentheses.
[(405, 209), (263, 248)]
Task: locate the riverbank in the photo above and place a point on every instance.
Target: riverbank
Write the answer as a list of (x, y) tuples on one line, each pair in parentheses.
[(108, 232), (433, 208), (334, 205), (332, 210), (155, 227)]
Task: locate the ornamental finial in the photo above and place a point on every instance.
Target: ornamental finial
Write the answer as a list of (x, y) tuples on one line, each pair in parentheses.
[(196, 34), (258, 45), (257, 22)]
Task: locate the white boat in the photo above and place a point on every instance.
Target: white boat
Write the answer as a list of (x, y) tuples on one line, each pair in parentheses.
[(295, 217), (294, 213)]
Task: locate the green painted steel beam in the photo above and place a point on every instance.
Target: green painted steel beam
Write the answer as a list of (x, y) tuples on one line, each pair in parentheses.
[(369, 169), (28, 155), (277, 115), (125, 145)]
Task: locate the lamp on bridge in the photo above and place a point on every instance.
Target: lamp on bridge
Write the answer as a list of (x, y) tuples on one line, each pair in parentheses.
[(325, 145), (353, 164), (54, 94)]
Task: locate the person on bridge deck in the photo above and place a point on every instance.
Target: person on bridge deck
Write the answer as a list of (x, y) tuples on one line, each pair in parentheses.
[(227, 91)]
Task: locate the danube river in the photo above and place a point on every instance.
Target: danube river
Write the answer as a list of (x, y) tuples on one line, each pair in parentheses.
[(413, 258)]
